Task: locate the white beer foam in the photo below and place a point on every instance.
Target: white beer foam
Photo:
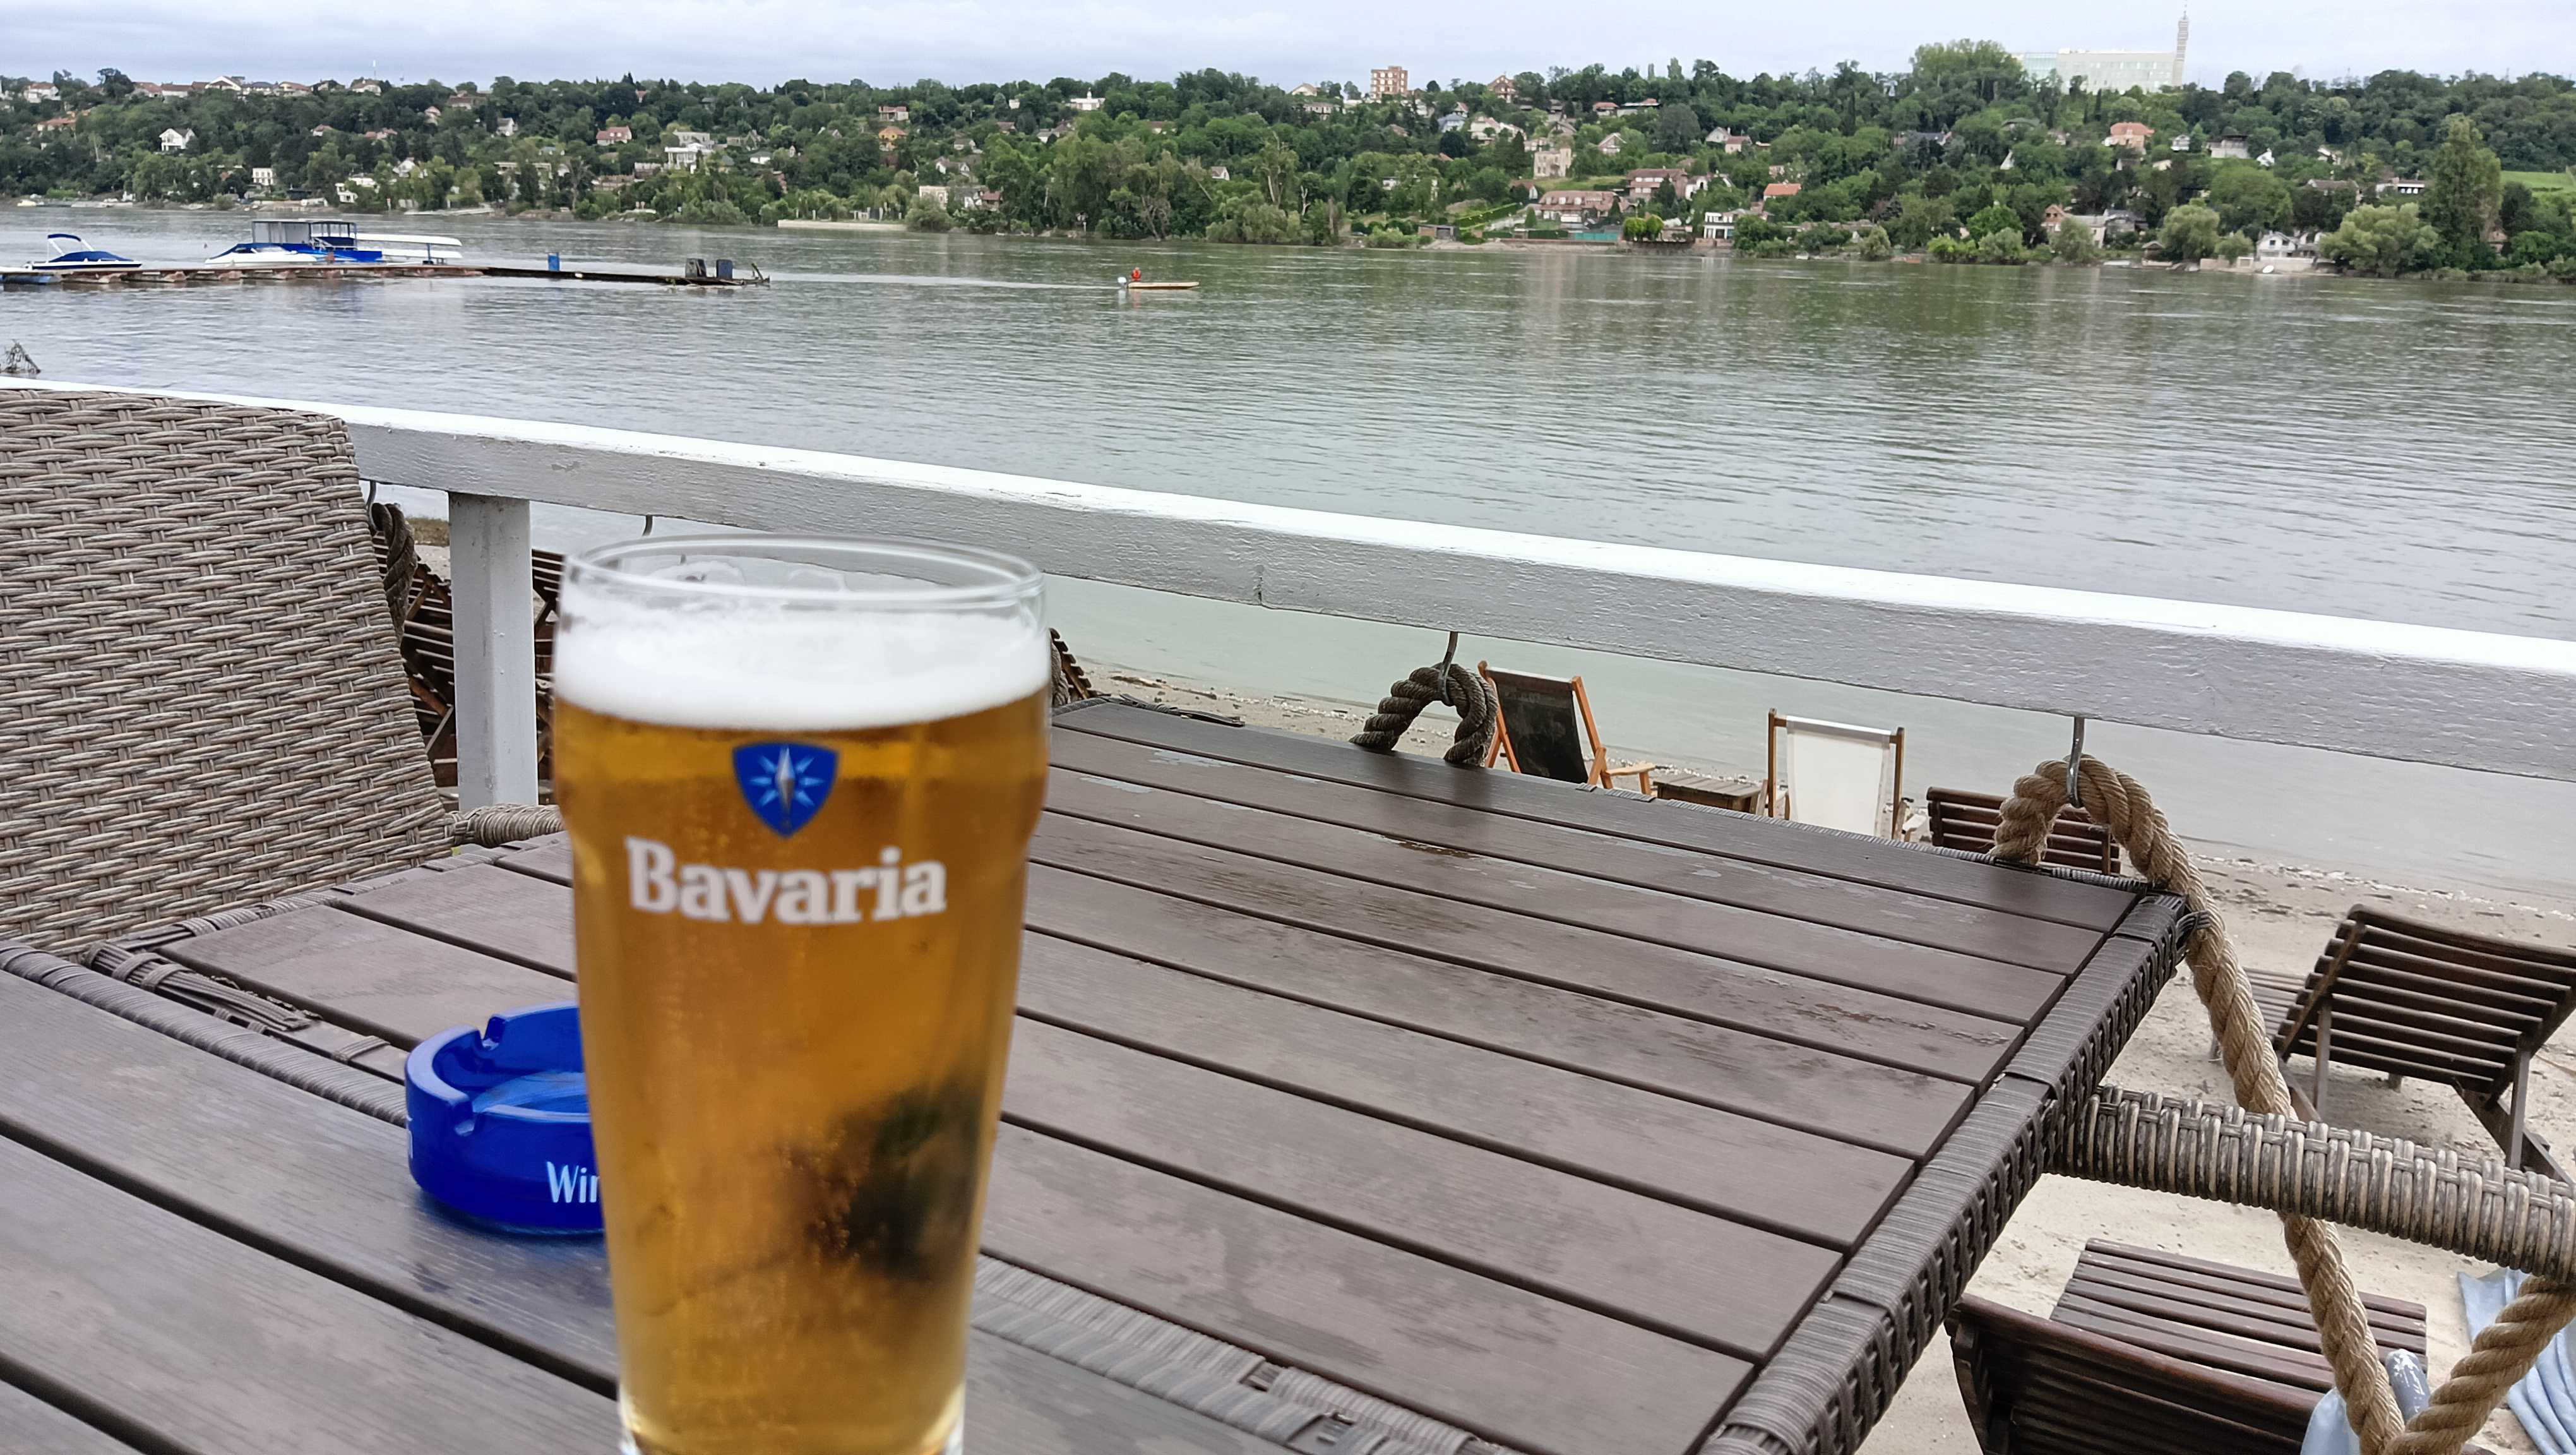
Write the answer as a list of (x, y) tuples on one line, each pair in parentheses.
[(768, 668)]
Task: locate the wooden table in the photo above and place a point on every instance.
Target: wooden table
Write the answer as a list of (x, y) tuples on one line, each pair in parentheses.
[(1460, 1109)]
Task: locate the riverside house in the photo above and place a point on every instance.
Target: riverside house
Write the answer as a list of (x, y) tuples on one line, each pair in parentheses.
[(1578, 208), (1643, 182)]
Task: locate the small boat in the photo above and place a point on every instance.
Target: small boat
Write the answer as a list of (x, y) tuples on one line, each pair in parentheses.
[(276, 241), (1133, 286), (71, 255)]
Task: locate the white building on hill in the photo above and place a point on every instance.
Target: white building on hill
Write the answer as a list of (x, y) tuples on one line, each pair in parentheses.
[(2114, 71)]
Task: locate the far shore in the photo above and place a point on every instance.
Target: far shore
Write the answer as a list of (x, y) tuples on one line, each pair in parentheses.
[(1698, 247)]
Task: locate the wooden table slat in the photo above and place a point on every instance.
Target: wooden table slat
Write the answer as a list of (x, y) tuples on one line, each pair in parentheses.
[(1643, 1261), (1863, 1101), (1833, 1095), (1800, 947), (1848, 904), (29, 1426), (1682, 826), (1546, 1377), (1828, 1016), (255, 1157), (482, 908), (369, 975), (1366, 920), (215, 1347), (1821, 1191)]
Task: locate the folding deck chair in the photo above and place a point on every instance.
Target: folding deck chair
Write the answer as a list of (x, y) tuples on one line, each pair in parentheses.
[(1955, 818), (1544, 727), (2148, 1353), (2415, 999), (1835, 775)]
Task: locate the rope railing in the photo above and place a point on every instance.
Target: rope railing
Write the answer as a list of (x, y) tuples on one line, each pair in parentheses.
[(2312, 1175), (1449, 683)]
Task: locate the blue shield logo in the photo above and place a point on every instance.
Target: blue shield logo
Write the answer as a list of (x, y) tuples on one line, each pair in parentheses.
[(785, 783)]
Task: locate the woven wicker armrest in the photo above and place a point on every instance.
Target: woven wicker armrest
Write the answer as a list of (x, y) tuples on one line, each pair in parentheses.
[(495, 824)]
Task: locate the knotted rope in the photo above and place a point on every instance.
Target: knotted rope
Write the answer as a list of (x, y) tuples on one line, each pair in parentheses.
[(1466, 691), (2506, 1350)]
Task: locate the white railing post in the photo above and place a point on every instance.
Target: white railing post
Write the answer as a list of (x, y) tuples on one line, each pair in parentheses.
[(496, 651)]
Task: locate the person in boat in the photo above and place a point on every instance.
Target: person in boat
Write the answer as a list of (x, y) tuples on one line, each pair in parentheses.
[(1135, 275)]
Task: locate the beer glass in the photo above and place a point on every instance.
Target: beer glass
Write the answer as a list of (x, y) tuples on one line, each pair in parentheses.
[(800, 778)]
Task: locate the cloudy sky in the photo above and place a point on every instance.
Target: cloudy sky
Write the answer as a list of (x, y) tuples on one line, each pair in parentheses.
[(1279, 40)]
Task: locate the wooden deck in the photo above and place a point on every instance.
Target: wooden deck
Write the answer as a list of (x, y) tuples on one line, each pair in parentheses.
[(1566, 1121)]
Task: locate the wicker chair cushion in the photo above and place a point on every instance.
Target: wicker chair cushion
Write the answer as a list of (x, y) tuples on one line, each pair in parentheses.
[(201, 703)]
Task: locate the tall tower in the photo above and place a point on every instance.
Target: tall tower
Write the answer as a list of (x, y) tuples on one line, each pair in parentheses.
[(2182, 44)]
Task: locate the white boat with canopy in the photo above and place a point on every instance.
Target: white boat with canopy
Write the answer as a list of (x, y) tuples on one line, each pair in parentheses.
[(297, 241)]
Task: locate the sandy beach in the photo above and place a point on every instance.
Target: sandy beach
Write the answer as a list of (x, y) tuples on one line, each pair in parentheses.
[(2280, 915)]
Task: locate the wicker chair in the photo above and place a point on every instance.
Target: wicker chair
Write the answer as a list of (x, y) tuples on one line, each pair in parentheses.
[(201, 704)]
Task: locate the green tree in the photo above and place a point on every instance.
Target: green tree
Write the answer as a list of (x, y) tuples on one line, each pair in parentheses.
[(2321, 209), (1754, 230), (2073, 243), (2465, 190), (2537, 247), (2002, 247), (1920, 219), (1872, 245), (1677, 127), (1251, 219), (2190, 234), (2248, 199), (926, 214), (2385, 241), (1643, 227), (1994, 219)]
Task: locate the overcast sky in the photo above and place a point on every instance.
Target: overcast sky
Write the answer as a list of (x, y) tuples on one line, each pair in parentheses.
[(1283, 41)]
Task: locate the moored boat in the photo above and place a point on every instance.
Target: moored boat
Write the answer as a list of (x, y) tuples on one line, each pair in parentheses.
[(71, 255), (295, 242)]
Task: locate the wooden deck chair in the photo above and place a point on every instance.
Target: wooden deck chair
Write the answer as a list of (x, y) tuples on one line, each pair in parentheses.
[(1544, 727), (424, 614), (196, 654), (2411, 998), (1958, 819), (2153, 1352), (1835, 775), (1067, 682)]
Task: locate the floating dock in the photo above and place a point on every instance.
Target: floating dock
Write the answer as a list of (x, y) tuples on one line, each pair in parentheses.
[(695, 275)]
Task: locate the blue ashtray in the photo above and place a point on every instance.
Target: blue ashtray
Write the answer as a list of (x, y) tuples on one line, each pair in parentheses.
[(500, 1122)]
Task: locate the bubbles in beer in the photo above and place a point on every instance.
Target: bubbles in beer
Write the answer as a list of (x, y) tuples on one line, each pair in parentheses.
[(893, 1191)]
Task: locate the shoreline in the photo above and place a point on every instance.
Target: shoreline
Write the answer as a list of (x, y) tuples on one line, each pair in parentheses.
[(2248, 266), (2272, 889)]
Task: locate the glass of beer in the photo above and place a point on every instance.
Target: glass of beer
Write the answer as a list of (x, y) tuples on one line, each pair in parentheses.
[(800, 777)]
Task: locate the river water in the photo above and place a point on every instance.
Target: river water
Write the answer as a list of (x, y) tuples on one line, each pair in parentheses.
[(2380, 450)]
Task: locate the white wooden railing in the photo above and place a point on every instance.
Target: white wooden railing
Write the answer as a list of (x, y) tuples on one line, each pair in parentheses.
[(2477, 700)]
